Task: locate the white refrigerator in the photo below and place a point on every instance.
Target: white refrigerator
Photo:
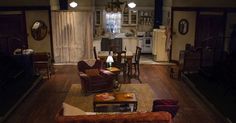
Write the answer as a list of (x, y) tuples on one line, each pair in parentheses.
[(159, 45)]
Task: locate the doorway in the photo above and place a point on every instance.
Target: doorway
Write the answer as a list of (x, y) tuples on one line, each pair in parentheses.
[(210, 35), (12, 33)]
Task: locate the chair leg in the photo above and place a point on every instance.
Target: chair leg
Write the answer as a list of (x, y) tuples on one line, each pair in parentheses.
[(138, 69), (135, 69), (138, 73)]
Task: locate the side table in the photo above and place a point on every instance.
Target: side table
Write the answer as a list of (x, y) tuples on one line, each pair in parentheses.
[(116, 71)]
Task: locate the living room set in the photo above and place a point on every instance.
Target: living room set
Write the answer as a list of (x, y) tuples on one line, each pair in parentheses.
[(98, 85)]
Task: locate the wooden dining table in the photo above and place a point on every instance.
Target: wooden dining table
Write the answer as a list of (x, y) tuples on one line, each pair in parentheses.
[(102, 55)]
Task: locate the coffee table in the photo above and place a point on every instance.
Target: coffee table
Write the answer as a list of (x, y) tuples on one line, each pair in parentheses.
[(119, 101)]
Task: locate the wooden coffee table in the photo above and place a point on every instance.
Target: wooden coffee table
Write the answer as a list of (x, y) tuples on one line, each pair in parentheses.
[(125, 101)]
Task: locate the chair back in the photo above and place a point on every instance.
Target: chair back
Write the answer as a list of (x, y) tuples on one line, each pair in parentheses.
[(95, 53), (41, 56), (137, 54), (120, 56), (84, 65)]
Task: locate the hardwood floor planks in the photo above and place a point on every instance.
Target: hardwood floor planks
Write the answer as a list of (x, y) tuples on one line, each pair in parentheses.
[(43, 103)]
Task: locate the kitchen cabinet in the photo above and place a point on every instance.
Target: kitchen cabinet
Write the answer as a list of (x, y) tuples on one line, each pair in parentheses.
[(130, 18), (130, 44), (145, 17)]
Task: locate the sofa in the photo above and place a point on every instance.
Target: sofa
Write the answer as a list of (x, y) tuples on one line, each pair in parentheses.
[(136, 117)]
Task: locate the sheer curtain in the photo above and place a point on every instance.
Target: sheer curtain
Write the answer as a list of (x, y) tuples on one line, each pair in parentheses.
[(112, 21), (72, 36)]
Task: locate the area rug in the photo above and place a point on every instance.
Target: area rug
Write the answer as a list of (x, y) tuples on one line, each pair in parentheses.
[(144, 94)]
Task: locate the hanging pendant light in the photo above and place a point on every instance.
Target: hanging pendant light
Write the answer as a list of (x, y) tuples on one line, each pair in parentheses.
[(114, 6), (73, 4), (131, 4)]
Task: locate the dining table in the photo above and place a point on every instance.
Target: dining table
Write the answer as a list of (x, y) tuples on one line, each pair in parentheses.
[(102, 55)]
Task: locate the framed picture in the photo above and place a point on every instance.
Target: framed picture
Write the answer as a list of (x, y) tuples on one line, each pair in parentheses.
[(183, 26)]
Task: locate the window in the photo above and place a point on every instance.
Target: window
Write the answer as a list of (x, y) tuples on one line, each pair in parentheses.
[(112, 22)]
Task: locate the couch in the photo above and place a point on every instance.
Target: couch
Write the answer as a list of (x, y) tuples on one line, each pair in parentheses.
[(136, 117)]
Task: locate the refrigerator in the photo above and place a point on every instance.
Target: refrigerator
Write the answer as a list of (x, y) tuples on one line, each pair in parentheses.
[(159, 45)]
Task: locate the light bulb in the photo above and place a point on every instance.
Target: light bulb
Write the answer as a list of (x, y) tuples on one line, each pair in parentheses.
[(131, 4), (73, 4)]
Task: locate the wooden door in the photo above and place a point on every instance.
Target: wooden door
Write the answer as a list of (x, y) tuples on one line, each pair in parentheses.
[(210, 34), (12, 33)]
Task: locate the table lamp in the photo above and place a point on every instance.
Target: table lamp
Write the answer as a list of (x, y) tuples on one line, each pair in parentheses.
[(109, 60)]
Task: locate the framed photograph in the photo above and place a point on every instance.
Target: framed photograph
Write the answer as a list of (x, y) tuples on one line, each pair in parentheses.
[(183, 26)]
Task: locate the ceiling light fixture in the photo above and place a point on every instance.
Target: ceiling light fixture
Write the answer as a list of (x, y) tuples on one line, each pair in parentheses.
[(73, 4), (132, 4), (114, 6)]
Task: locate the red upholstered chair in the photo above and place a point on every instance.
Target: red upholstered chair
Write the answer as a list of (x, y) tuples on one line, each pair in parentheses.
[(168, 105), (94, 78)]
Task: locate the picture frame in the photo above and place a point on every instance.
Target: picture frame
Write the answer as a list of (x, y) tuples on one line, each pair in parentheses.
[(183, 26)]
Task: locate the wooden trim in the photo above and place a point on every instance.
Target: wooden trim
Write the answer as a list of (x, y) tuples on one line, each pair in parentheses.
[(19, 8), (196, 23), (25, 30), (215, 9), (171, 46), (51, 37)]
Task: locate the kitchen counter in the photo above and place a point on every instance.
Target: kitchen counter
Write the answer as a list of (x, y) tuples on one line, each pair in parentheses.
[(129, 43)]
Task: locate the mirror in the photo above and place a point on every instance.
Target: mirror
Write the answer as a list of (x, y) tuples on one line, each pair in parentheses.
[(39, 30), (183, 26)]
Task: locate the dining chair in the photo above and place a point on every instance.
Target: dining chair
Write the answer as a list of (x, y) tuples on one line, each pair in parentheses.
[(95, 53), (121, 62), (136, 63), (42, 62)]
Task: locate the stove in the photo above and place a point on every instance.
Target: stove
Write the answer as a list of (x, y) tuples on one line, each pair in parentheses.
[(146, 44)]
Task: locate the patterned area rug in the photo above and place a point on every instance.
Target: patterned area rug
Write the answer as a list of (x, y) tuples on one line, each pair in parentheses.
[(143, 92)]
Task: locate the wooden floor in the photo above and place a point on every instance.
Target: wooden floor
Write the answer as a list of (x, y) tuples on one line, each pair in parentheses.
[(44, 102)]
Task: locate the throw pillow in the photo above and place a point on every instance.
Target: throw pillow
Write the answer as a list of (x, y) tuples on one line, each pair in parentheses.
[(92, 72), (70, 110)]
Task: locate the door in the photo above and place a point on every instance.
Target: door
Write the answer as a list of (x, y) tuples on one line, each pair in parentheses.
[(12, 33), (210, 32)]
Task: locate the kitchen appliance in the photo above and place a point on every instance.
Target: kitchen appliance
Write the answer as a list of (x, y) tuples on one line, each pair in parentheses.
[(145, 42), (159, 45)]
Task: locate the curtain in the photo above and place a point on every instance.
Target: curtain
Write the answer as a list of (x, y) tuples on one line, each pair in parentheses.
[(72, 36)]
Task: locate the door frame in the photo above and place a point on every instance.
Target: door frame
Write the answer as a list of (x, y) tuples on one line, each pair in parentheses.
[(198, 10)]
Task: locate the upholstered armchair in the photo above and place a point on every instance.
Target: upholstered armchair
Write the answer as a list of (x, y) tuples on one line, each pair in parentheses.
[(94, 78)]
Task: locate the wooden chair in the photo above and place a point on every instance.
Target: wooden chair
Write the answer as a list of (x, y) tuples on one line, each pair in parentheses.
[(42, 62), (121, 62), (136, 63), (95, 53)]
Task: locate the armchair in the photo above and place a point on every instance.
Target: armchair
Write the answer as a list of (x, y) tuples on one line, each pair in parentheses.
[(94, 78)]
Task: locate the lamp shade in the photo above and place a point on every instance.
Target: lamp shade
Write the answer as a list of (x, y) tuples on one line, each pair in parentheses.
[(109, 59), (132, 4)]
